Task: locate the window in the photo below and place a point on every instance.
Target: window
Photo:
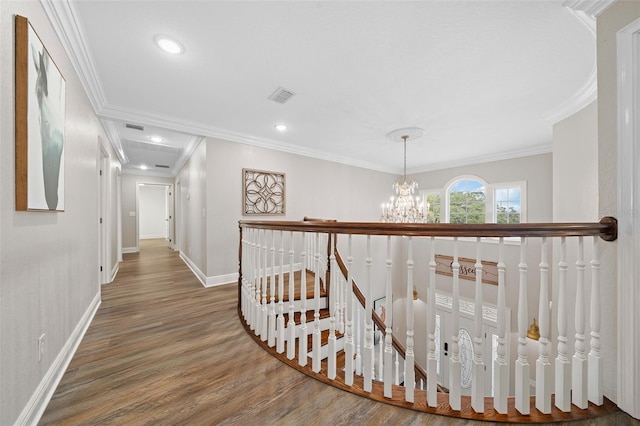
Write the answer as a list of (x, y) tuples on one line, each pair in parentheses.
[(508, 204), (433, 207), (467, 202), (469, 199)]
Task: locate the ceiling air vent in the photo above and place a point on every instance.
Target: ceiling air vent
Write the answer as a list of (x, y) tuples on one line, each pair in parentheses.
[(163, 166), (134, 126), (281, 95)]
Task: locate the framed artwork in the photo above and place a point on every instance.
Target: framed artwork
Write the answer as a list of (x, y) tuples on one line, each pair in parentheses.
[(39, 124), (467, 268), (263, 193)]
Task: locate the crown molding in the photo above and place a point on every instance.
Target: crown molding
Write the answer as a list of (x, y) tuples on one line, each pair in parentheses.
[(66, 24), (592, 8), (509, 155), (184, 126), (111, 130), (583, 97)]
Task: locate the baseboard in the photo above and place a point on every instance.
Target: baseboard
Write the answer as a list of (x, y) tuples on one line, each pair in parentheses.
[(129, 250), (153, 237), (221, 280), (114, 271), (196, 271), (217, 280), (38, 402)]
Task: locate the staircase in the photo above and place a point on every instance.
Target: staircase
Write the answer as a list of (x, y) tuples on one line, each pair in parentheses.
[(320, 323)]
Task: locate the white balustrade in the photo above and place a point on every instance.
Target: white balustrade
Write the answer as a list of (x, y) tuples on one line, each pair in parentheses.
[(271, 333), (579, 365), (455, 372), (280, 327), (351, 327), (563, 365), (477, 390), (409, 360), (522, 364), (388, 321), (500, 366)]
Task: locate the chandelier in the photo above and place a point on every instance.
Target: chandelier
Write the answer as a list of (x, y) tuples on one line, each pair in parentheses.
[(403, 207)]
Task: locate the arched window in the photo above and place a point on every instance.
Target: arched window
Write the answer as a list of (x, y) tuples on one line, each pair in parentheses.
[(469, 199), (466, 201)]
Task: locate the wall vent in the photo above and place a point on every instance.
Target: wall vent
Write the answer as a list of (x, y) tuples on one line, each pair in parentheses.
[(134, 126), (163, 166), (281, 95)]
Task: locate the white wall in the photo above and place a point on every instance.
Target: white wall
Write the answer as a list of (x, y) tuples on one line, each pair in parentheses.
[(622, 381), (48, 261), (152, 205)]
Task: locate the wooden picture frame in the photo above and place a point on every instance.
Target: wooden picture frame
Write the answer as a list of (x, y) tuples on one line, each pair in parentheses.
[(263, 193), (39, 124), (467, 269)]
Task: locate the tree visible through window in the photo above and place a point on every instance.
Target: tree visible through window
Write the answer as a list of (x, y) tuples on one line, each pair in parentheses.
[(508, 205), (467, 202), (433, 208)]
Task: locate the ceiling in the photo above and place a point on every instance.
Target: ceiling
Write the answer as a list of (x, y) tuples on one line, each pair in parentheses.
[(486, 80)]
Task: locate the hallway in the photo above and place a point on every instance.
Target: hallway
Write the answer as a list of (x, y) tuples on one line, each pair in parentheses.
[(162, 349)]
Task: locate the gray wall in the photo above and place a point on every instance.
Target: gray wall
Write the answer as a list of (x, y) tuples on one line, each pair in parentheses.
[(48, 261)]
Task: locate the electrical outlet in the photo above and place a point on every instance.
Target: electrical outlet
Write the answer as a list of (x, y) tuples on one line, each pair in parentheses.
[(41, 347)]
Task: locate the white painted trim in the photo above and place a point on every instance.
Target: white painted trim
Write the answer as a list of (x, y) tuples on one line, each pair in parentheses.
[(196, 271), (590, 7), (583, 97), (114, 271), (129, 250), (221, 280), (217, 280), (628, 42), (32, 412), (153, 237)]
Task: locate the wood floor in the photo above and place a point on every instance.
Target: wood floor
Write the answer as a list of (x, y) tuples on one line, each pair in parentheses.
[(164, 350)]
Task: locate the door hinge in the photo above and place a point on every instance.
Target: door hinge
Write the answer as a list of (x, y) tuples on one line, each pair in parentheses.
[(100, 172), (100, 221), (101, 269)]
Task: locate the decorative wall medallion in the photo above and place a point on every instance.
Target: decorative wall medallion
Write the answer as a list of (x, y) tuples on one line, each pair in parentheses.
[(263, 193)]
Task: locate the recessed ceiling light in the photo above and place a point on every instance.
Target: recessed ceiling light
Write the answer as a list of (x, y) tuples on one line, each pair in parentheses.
[(168, 44), (281, 127), (156, 139), (143, 167)]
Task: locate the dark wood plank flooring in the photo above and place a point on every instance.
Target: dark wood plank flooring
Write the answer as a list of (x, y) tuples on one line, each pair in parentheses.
[(163, 350)]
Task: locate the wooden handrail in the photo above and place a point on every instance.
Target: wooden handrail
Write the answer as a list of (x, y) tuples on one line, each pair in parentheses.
[(606, 228)]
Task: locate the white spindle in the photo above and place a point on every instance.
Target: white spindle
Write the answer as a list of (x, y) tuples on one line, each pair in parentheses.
[(257, 310), (271, 333), (358, 319), (477, 391), (454, 361), (432, 362), (302, 341), (579, 364), (544, 373), (349, 349), (291, 325), (264, 311), (315, 350), (522, 365), (500, 367), (388, 340), (595, 360), (334, 308), (280, 320), (368, 322), (397, 370), (563, 365), (251, 289), (409, 359)]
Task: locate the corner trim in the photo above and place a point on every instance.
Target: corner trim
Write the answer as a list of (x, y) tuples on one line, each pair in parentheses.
[(40, 398), (196, 271)]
